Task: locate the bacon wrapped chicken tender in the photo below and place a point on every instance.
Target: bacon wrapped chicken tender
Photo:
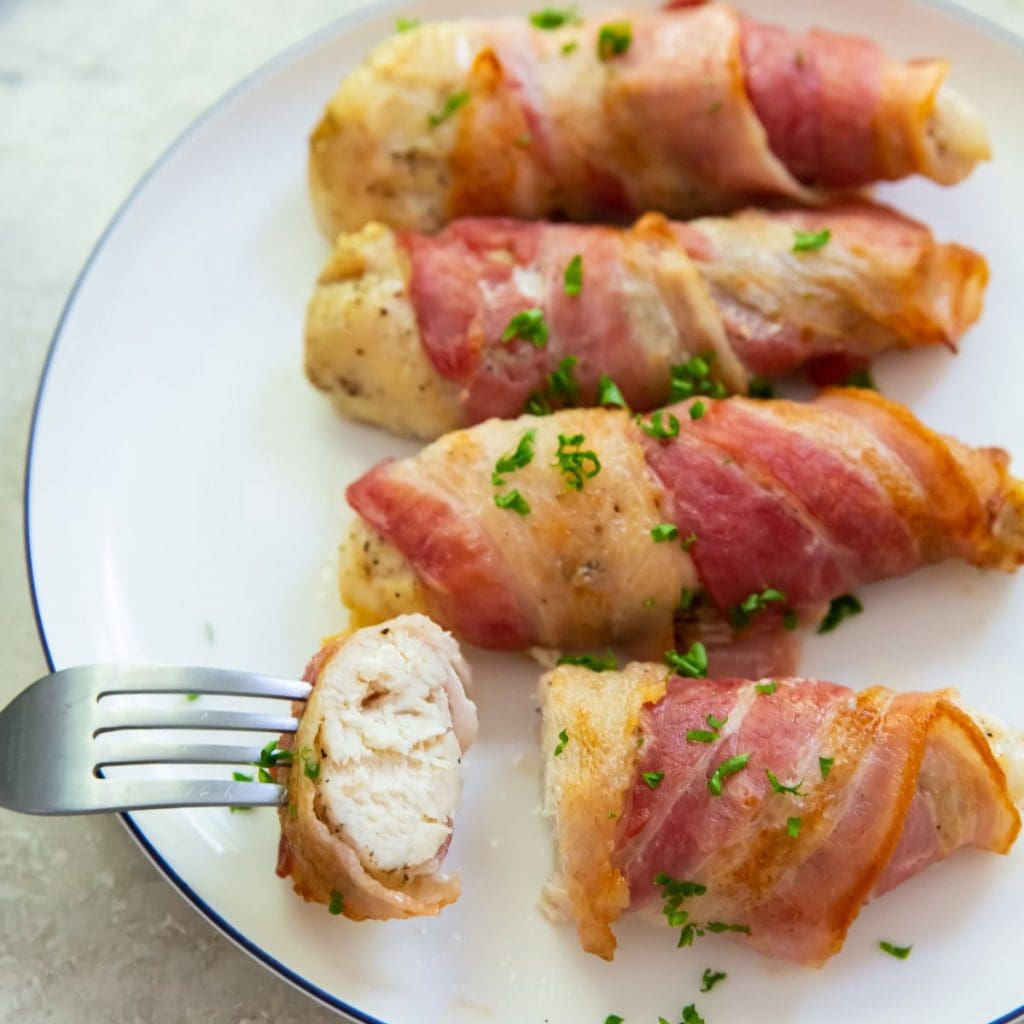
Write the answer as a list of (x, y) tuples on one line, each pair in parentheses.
[(375, 776)]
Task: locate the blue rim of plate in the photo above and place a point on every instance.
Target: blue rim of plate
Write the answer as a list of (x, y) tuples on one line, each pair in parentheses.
[(372, 8)]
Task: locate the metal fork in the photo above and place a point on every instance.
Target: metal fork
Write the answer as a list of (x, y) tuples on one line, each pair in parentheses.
[(58, 736)]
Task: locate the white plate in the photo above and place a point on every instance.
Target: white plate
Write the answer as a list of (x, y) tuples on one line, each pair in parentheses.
[(186, 495)]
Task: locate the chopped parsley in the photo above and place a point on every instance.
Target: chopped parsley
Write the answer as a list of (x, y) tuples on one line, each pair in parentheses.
[(861, 379), (608, 393), (711, 979), (793, 827), (554, 17), (662, 425), (900, 952), (766, 688), (595, 662), (270, 757), (574, 275), (842, 607), (614, 1018), (569, 47), (451, 105), (576, 464), (406, 24), (690, 1015), (513, 501), (693, 664), (809, 241), (673, 892), (728, 767), (614, 39), (781, 787), (760, 387), (521, 456), (310, 763), (741, 614), (560, 388), (825, 764), (529, 325), (563, 739), (687, 597), (241, 777), (663, 532), (707, 735), (694, 378), (337, 902), (191, 697), (653, 779), (697, 410), (789, 620), (716, 723)]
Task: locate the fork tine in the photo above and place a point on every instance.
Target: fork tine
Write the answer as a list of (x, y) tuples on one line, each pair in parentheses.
[(147, 794), (111, 719), (107, 680), (165, 753)]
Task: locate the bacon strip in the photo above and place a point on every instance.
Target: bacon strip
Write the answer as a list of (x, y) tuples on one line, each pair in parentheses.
[(808, 499), (731, 289), (700, 112), (912, 779)]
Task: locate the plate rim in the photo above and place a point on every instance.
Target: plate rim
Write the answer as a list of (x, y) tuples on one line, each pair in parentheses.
[(365, 10)]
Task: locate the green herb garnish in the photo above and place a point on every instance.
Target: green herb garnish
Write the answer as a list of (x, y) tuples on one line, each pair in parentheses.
[(614, 1018), (513, 501), (310, 764), (789, 620), (793, 827), (451, 105), (741, 614), (574, 275), (554, 17), (576, 464), (711, 979), (663, 532), (694, 378), (728, 767), (697, 410), (614, 39), (687, 597), (861, 379), (560, 388), (808, 241), (337, 903), (595, 662), (241, 777), (662, 425), (529, 325), (608, 393), (406, 24), (842, 607), (760, 387), (693, 664), (517, 459), (780, 787), (563, 739), (900, 952), (766, 688), (825, 764), (569, 47), (691, 1016), (653, 779)]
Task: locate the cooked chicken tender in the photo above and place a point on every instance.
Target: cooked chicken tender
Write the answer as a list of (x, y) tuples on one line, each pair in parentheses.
[(375, 778)]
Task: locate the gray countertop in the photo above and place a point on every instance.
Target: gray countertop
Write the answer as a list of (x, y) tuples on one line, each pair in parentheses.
[(90, 95)]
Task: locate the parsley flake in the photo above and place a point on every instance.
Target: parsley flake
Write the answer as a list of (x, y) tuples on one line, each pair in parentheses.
[(825, 765), (406, 24), (573, 281), (861, 379), (529, 325), (766, 688), (563, 739), (663, 532), (693, 664), (653, 779), (337, 903), (701, 736), (694, 378), (697, 410), (842, 607), (560, 388), (595, 662), (577, 465), (270, 757), (760, 387), (521, 456), (728, 767), (513, 501), (741, 614), (451, 105), (241, 777), (687, 598), (691, 1016), (793, 827), (900, 952), (662, 425), (310, 763), (608, 393), (569, 47), (554, 17), (809, 241), (614, 1018), (780, 787), (711, 979), (614, 39), (789, 620)]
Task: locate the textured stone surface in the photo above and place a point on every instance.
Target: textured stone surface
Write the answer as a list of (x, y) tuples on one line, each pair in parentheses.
[(90, 95)]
